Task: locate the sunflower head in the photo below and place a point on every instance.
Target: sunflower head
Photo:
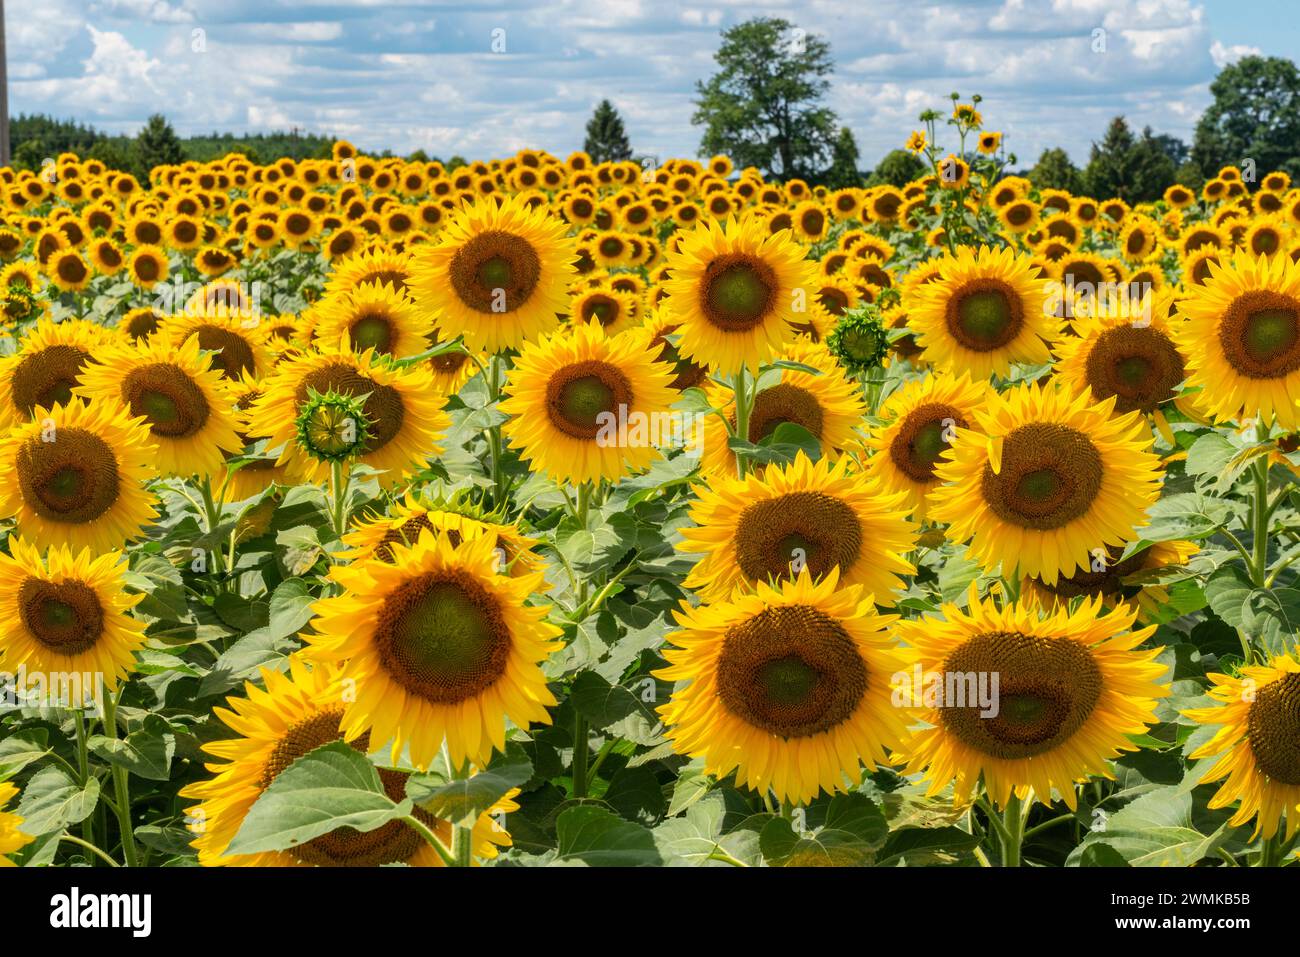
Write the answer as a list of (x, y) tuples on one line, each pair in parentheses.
[(332, 427)]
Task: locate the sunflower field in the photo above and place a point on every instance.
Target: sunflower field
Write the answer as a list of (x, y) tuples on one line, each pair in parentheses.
[(359, 511)]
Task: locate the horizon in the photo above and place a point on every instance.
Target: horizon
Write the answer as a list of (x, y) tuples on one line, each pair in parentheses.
[(354, 71)]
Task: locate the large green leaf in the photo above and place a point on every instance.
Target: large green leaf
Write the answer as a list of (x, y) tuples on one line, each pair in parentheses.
[(593, 835), (52, 800), (331, 787)]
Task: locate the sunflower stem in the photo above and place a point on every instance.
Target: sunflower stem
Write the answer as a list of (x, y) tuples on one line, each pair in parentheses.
[(83, 770), (119, 782), (431, 839), (212, 516), (90, 847), (580, 748), (494, 433), (1013, 822), (744, 406), (1260, 511), (339, 496)]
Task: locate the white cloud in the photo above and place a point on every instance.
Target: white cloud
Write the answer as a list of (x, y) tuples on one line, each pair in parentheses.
[(1222, 55)]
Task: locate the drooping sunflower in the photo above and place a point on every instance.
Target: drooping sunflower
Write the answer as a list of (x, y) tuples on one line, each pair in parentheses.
[(440, 645), (1072, 686), (771, 524), (375, 316), (1258, 745), (584, 406), (184, 401), (920, 419), (403, 410), (238, 343), (11, 837), (1242, 339), (788, 687), (1046, 477), (735, 293), (67, 612), (498, 274), (1126, 350), (828, 404), (1108, 577), (985, 311), (75, 475), (47, 367), (405, 521), (295, 714)]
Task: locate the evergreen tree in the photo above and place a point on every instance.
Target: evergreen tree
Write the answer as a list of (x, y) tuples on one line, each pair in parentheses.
[(897, 168), (843, 172), (606, 140), (156, 145), (1055, 171)]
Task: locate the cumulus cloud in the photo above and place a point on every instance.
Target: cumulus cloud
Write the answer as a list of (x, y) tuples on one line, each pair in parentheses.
[(407, 74)]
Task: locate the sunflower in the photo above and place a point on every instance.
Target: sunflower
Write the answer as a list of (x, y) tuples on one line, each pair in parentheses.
[(1072, 687), (1266, 236), (1046, 477), (1019, 216), (295, 714), (788, 686), (375, 316), (184, 401), (498, 274), (107, 257), (47, 367), (657, 332), (827, 404), (1242, 339), (773, 523), (76, 475), (735, 293), (239, 344), (11, 838), (441, 647), (614, 311), (375, 538), (68, 612), (68, 270), (403, 410), (985, 311), (139, 324), (1110, 578), (1139, 239), (451, 370), (249, 474), (1120, 352), (213, 261), (1258, 745), (920, 420), (584, 406), (148, 266)]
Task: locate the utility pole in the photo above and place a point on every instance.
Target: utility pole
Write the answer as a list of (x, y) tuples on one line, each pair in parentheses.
[(4, 92)]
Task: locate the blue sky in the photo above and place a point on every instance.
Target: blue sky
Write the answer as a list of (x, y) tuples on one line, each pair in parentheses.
[(404, 74)]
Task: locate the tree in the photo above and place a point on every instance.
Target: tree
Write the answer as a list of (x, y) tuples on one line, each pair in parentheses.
[(1055, 171), (843, 172), (1134, 169), (156, 145), (110, 154), (1107, 172), (1255, 115), (762, 108), (1151, 168), (606, 140), (897, 168)]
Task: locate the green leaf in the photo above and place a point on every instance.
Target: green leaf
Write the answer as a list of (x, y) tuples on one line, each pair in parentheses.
[(21, 749), (828, 847), (594, 836), (462, 801), (1227, 591), (334, 786), (604, 704), (1101, 854), (693, 839), (52, 800), (146, 752), (917, 846), (1155, 830)]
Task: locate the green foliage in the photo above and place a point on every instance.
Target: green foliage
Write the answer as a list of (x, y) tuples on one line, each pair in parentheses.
[(843, 171), (606, 139), (1134, 169), (1055, 171), (156, 145), (897, 168), (1255, 115), (763, 106)]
